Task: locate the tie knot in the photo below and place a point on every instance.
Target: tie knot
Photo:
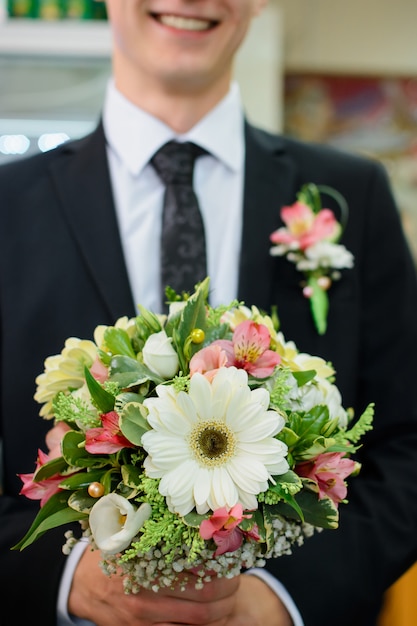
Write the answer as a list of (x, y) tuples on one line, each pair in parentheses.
[(174, 162)]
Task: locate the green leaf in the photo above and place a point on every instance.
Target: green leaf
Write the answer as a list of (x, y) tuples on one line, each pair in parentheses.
[(133, 422), (193, 519), (303, 378), (51, 468), (268, 529), (124, 398), (55, 512), (131, 476), (118, 342), (192, 316), (81, 480), (308, 426), (289, 437), (76, 455), (149, 319), (103, 399), (73, 447), (319, 304), (318, 446), (128, 372), (320, 513), (258, 518), (290, 478), (309, 194), (341, 201), (363, 425), (81, 502), (286, 486)]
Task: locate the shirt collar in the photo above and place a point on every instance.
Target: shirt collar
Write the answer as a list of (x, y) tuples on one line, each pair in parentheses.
[(220, 132)]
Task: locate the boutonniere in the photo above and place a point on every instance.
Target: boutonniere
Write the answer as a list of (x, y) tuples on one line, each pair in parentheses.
[(310, 240)]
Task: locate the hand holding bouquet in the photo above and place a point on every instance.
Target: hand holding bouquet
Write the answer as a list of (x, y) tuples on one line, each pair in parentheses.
[(199, 442)]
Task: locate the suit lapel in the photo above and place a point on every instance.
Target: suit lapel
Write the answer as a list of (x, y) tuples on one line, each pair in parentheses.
[(89, 211), (269, 184), (82, 182)]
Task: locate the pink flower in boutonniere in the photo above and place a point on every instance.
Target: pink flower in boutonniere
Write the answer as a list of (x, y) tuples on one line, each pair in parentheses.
[(249, 349), (310, 240), (304, 228)]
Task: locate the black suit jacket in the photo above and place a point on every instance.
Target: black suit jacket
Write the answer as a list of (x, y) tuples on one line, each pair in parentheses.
[(62, 273)]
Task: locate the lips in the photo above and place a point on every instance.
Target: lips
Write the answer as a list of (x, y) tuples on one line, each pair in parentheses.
[(184, 23)]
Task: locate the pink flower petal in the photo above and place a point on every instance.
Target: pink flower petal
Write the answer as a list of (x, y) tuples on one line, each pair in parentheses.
[(208, 361)]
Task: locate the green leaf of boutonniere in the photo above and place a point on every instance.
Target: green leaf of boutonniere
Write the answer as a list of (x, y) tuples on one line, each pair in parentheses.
[(319, 303)]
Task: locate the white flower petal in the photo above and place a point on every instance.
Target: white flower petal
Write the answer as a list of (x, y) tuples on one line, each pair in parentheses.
[(202, 486), (251, 478), (269, 424), (215, 446), (223, 490), (170, 452), (114, 522), (201, 396)]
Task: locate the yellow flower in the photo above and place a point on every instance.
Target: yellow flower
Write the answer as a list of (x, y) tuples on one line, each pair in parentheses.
[(64, 371), (240, 314), (301, 361), (125, 323)]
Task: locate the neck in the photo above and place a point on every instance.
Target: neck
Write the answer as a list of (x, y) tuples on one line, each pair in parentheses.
[(178, 107)]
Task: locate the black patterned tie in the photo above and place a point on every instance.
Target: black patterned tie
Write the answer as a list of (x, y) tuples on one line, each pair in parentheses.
[(183, 249)]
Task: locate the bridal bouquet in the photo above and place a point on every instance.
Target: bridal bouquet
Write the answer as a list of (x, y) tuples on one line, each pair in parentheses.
[(200, 442)]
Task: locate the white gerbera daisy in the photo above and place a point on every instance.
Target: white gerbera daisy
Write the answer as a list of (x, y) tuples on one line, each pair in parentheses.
[(213, 446)]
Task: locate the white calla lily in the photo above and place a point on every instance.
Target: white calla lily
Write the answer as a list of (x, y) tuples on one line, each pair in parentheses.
[(114, 521)]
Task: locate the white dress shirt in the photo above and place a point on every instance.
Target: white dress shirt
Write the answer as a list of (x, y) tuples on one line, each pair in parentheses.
[(133, 136)]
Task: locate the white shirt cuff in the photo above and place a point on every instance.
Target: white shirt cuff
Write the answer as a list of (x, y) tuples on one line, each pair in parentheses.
[(63, 617), (281, 592)]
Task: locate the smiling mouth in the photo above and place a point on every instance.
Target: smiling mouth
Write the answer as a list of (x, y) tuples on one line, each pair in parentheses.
[(184, 23)]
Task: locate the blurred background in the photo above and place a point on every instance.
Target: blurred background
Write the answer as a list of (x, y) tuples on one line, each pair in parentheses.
[(325, 71)]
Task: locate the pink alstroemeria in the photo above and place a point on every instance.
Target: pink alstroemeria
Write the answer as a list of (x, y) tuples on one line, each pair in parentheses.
[(208, 361), (43, 489), (304, 228), (54, 439), (329, 471), (99, 371), (108, 438), (249, 349), (223, 528)]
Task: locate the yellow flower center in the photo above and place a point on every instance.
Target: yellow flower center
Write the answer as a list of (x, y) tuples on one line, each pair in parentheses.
[(213, 443), (301, 226)]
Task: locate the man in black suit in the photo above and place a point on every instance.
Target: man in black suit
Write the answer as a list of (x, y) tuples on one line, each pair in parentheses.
[(78, 246)]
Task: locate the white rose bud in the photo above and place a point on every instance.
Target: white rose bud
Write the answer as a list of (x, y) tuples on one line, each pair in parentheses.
[(159, 355)]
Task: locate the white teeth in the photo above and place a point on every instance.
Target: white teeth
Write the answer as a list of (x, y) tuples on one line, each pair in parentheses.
[(184, 23)]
